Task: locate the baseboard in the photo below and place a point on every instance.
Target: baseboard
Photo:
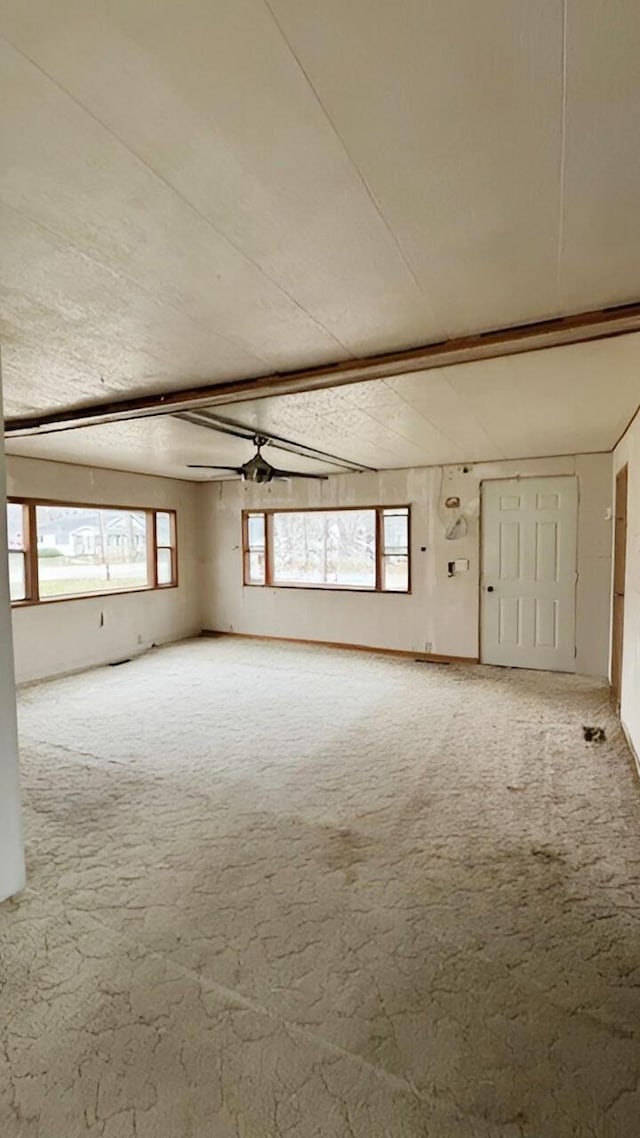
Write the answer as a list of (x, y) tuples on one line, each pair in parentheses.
[(634, 753), (426, 657)]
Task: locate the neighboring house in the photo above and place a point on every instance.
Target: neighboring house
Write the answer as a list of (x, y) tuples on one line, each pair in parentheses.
[(83, 533)]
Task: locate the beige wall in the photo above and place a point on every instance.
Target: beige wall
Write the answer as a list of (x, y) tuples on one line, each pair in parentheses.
[(62, 636), (441, 615), (628, 451)]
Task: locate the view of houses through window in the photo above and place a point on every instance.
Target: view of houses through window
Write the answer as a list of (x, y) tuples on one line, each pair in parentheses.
[(64, 550), (348, 549), (85, 551)]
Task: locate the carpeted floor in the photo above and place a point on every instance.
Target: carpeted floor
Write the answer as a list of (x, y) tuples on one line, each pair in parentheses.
[(285, 892)]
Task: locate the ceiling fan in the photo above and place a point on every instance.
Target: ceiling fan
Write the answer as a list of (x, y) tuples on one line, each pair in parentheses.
[(257, 469)]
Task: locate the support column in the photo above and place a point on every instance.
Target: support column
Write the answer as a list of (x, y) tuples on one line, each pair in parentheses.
[(12, 874)]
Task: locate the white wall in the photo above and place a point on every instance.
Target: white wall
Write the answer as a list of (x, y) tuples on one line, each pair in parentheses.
[(11, 844), (62, 636), (441, 614), (628, 451)]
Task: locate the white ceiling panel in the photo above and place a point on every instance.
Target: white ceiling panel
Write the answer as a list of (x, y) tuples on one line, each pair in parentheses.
[(601, 176), (438, 403), (162, 445), (559, 401), (451, 110), (71, 329), (236, 159)]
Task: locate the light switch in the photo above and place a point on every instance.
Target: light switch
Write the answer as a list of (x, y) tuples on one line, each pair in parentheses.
[(461, 566)]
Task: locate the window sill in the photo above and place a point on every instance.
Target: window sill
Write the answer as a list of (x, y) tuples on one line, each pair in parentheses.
[(370, 589), (91, 596)]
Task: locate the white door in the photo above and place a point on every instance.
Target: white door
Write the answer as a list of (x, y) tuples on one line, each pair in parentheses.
[(528, 584)]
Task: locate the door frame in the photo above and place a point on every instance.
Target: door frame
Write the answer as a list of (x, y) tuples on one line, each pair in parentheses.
[(522, 478), (618, 598)]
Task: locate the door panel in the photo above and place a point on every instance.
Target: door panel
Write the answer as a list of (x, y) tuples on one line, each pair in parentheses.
[(529, 537)]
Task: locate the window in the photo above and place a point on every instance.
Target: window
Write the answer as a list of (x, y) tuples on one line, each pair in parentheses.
[(255, 565), (395, 550), (166, 560), (18, 544), (364, 549), (58, 551)]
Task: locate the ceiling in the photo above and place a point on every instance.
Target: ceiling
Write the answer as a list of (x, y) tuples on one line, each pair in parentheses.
[(192, 192), (557, 401)]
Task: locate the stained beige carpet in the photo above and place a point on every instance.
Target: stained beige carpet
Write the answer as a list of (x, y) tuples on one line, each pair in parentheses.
[(281, 892)]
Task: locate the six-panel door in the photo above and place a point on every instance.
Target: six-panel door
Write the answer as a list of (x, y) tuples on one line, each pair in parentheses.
[(528, 581)]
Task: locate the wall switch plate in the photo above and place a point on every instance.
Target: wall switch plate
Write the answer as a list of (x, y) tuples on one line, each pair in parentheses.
[(461, 565)]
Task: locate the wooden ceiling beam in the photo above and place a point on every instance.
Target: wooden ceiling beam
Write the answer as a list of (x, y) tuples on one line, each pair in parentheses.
[(577, 329)]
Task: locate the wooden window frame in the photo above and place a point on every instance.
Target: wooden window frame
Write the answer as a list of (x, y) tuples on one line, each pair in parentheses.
[(152, 524), (269, 582), (246, 550), (27, 552), (30, 543)]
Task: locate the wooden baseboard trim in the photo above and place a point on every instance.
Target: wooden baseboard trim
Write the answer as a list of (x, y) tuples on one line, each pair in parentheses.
[(423, 657)]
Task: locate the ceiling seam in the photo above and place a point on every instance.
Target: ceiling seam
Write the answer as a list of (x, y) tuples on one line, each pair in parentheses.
[(563, 136), (479, 422), (190, 205), (383, 423), (363, 181), (119, 276), (416, 410)]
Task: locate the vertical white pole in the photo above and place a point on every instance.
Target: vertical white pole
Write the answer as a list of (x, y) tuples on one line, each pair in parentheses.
[(12, 873)]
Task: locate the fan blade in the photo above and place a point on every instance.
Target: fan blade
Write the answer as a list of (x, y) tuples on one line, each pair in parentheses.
[(200, 466), (297, 474)]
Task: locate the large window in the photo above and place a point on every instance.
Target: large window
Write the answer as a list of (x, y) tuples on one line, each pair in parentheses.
[(58, 550), (328, 549)]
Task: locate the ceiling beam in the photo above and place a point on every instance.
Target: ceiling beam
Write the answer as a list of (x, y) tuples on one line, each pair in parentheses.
[(577, 329)]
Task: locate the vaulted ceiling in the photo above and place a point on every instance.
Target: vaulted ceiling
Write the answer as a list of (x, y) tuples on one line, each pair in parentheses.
[(198, 191)]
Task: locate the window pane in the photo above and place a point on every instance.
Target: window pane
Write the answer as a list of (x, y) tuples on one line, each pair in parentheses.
[(395, 574), (256, 567), (88, 550), (325, 547), (255, 531), (165, 567), (17, 576), (396, 530), (163, 529), (15, 525)]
